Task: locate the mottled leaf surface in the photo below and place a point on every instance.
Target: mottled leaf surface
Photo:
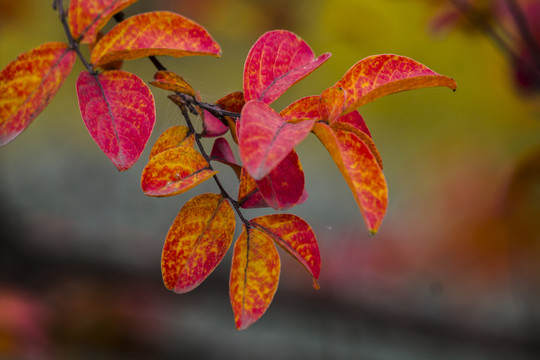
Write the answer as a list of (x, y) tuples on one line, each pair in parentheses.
[(173, 137), (197, 242), (380, 75), (265, 139), (303, 109), (152, 34), (86, 18), (277, 60), (294, 235), (29, 83), (360, 169), (175, 171), (119, 112), (168, 80), (249, 196), (254, 276)]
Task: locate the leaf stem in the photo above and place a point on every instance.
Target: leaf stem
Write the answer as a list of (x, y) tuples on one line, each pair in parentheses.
[(73, 44)]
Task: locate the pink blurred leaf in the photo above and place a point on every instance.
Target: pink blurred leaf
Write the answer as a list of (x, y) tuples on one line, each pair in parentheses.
[(119, 112), (277, 60)]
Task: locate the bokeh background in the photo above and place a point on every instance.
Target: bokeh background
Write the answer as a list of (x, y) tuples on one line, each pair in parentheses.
[(454, 272)]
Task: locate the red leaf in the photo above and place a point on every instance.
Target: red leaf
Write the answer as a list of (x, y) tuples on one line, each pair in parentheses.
[(152, 34), (173, 137), (365, 138), (355, 120), (380, 75), (119, 112), (254, 276), (29, 83), (221, 151), (294, 235), (86, 18), (360, 169), (265, 139), (175, 171), (197, 242), (278, 60), (283, 188), (233, 102), (212, 126)]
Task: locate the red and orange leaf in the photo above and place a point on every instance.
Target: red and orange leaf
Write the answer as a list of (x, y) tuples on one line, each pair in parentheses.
[(168, 80), (175, 171), (153, 34), (173, 137), (380, 75), (304, 109), (365, 138), (294, 235), (360, 169), (29, 83), (265, 139), (283, 188), (332, 103), (119, 112), (254, 276), (277, 60), (86, 18), (355, 120), (249, 196), (197, 242), (222, 152)]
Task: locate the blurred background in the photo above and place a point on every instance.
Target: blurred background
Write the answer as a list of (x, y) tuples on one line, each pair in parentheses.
[(454, 272)]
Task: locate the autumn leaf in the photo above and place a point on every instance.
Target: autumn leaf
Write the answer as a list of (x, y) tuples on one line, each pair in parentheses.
[(168, 80), (364, 137), (175, 171), (152, 34), (86, 18), (303, 109), (380, 75), (197, 242), (283, 188), (173, 137), (355, 120), (249, 196), (254, 276), (212, 126), (295, 236), (119, 112), (233, 102), (277, 60), (360, 169), (222, 152), (265, 139), (29, 83)]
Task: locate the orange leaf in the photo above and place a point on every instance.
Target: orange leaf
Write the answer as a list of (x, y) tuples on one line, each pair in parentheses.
[(119, 112), (304, 109), (360, 169), (86, 18), (332, 103), (265, 139), (365, 138), (249, 196), (254, 276), (168, 80), (175, 171), (233, 102), (173, 137), (152, 34), (197, 242), (294, 235), (29, 83), (380, 75), (278, 60)]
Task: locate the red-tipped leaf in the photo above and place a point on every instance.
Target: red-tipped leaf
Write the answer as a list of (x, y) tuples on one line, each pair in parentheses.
[(197, 242), (152, 34), (119, 112), (277, 60), (254, 276), (265, 139), (29, 83), (380, 75), (294, 235)]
